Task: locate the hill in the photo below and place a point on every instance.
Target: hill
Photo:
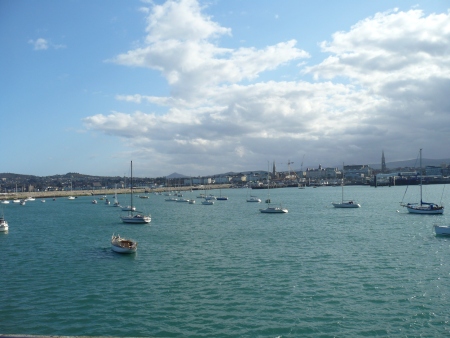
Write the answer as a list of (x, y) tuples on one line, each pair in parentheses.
[(412, 163)]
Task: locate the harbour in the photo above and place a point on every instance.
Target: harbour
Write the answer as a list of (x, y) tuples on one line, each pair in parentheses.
[(227, 270)]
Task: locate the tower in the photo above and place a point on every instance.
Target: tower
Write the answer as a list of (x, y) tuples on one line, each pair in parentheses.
[(383, 162), (274, 169)]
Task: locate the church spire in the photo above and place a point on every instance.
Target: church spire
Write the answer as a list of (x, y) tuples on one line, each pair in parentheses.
[(383, 162)]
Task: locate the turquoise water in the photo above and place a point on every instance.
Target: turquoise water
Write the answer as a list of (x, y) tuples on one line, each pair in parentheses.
[(227, 270)]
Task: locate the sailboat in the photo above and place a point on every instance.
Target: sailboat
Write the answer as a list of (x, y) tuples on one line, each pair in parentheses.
[(116, 201), (269, 209), (343, 203), (423, 207), (222, 198), (252, 198), (132, 217), (191, 200), (71, 197), (123, 245), (208, 200), (3, 224)]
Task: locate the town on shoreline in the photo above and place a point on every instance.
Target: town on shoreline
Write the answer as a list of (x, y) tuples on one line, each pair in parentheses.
[(22, 186)]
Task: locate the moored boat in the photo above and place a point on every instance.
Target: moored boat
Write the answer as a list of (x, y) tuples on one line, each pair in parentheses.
[(274, 210), (123, 245), (345, 203), (3, 224), (116, 201), (442, 229), (138, 218), (271, 209), (423, 207)]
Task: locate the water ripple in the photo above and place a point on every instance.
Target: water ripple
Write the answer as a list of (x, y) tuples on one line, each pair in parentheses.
[(227, 270)]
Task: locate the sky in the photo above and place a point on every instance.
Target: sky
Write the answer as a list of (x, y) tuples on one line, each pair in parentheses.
[(208, 87)]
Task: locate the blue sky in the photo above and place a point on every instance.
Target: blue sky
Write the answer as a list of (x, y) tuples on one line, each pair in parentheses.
[(206, 87)]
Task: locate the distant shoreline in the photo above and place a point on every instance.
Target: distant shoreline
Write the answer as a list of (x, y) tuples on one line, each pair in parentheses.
[(103, 192)]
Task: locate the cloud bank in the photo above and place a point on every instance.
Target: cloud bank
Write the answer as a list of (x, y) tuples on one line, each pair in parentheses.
[(382, 85)]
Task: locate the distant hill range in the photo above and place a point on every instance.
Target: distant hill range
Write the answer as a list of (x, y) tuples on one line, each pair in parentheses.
[(390, 165), (176, 175), (412, 163)]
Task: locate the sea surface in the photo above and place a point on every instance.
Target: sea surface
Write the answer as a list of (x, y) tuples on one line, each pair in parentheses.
[(226, 270)]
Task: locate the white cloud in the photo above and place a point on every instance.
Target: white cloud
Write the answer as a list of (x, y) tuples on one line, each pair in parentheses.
[(39, 44), (180, 44), (44, 44), (397, 70)]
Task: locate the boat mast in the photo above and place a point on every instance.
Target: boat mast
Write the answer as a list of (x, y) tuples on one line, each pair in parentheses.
[(132, 187), (342, 185), (268, 184), (420, 176)]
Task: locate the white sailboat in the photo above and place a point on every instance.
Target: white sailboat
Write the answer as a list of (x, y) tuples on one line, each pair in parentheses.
[(344, 203), (137, 218), (116, 201), (16, 200), (123, 245), (3, 224), (71, 197), (270, 209), (423, 207), (252, 198), (208, 202), (191, 200)]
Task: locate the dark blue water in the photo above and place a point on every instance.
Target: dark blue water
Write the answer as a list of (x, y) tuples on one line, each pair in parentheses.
[(227, 270)]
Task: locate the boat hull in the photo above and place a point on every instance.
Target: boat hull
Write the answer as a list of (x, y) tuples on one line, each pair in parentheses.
[(136, 219), (346, 205), (274, 210), (424, 210), (442, 230), (122, 250)]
